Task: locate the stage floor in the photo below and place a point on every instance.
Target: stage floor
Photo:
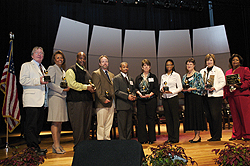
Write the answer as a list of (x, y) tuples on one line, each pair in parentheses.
[(201, 152)]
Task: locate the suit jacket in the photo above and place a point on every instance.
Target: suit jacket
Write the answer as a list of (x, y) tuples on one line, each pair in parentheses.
[(56, 75), (103, 84), (33, 91), (121, 94)]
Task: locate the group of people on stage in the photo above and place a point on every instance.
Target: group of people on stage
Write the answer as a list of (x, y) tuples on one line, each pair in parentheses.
[(70, 95)]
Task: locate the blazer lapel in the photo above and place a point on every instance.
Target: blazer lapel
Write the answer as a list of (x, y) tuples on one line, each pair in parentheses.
[(105, 76), (34, 65)]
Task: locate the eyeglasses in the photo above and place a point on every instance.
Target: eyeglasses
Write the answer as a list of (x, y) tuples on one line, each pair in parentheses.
[(38, 53)]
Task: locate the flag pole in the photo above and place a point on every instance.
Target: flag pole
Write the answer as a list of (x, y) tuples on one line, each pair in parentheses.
[(7, 124)]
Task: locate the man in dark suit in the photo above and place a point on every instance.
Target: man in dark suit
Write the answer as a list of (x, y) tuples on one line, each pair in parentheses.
[(124, 93), (103, 81), (34, 98)]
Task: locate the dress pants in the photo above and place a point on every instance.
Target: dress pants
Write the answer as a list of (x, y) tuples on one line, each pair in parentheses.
[(33, 125), (124, 118), (240, 110), (80, 114), (105, 118), (171, 111), (146, 109), (212, 107)]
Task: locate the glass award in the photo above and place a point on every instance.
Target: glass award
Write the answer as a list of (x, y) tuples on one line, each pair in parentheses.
[(143, 90)]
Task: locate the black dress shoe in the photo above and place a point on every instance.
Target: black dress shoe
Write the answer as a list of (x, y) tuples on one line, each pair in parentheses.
[(173, 142), (41, 153), (144, 142), (232, 139), (150, 142), (213, 139), (246, 139), (191, 140), (168, 141), (199, 140)]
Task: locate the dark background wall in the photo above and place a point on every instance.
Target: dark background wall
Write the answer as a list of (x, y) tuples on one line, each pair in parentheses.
[(35, 23)]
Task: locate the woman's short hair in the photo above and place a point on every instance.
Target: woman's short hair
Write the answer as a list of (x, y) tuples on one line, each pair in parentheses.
[(54, 55), (169, 60), (232, 57), (145, 61), (190, 60), (208, 56)]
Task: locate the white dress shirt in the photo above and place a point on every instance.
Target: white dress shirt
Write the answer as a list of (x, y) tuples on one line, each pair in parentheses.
[(173, 82)]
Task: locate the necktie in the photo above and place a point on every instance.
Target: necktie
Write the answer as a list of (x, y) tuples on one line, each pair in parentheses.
[(126, 78), (41, 68), (106, 72)]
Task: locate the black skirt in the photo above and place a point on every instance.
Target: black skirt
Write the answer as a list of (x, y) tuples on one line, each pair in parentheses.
[(194, 113)]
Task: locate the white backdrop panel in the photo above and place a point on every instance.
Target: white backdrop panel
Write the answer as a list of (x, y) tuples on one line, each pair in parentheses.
[(114, 63), (139, 44), (135, 66), (105, 41), (71, 36), (174, 43), (210, 40)]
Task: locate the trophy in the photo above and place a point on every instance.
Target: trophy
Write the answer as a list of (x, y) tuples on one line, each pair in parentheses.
[(63, 84), (165, 87), (107, 95), (129, 91), (186, 85), (143, 90), (46, 77), (93, 85)]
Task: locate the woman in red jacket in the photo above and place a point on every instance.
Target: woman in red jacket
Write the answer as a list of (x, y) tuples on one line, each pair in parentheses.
[(238, 97)]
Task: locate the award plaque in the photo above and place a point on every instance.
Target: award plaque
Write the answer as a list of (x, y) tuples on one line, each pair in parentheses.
[(107, 95), (233, 79), (186, 85), (165, 87), (46, 77), (210, 82)]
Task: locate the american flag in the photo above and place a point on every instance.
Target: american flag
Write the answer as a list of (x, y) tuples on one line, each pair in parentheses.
[(10, 110)]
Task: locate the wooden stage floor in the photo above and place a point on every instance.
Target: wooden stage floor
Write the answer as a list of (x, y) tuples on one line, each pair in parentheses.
[(201, 152)]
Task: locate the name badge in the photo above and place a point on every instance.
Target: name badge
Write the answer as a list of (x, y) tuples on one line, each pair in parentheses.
[(131, 83), (150, 79)]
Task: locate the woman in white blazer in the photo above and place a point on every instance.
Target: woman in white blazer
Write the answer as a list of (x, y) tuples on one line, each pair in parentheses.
[(57, 100), (214, 79)]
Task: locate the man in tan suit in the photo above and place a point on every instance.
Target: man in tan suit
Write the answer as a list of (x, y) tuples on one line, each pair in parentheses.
[(103, 80)]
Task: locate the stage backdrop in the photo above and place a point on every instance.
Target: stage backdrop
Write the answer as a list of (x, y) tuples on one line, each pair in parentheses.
[(73, 37)]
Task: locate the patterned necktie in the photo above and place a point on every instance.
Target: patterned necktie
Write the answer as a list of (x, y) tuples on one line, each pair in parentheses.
[(106, 72), (40, 65)]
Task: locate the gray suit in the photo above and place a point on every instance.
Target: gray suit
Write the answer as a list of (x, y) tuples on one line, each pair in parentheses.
[(124, 106)]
